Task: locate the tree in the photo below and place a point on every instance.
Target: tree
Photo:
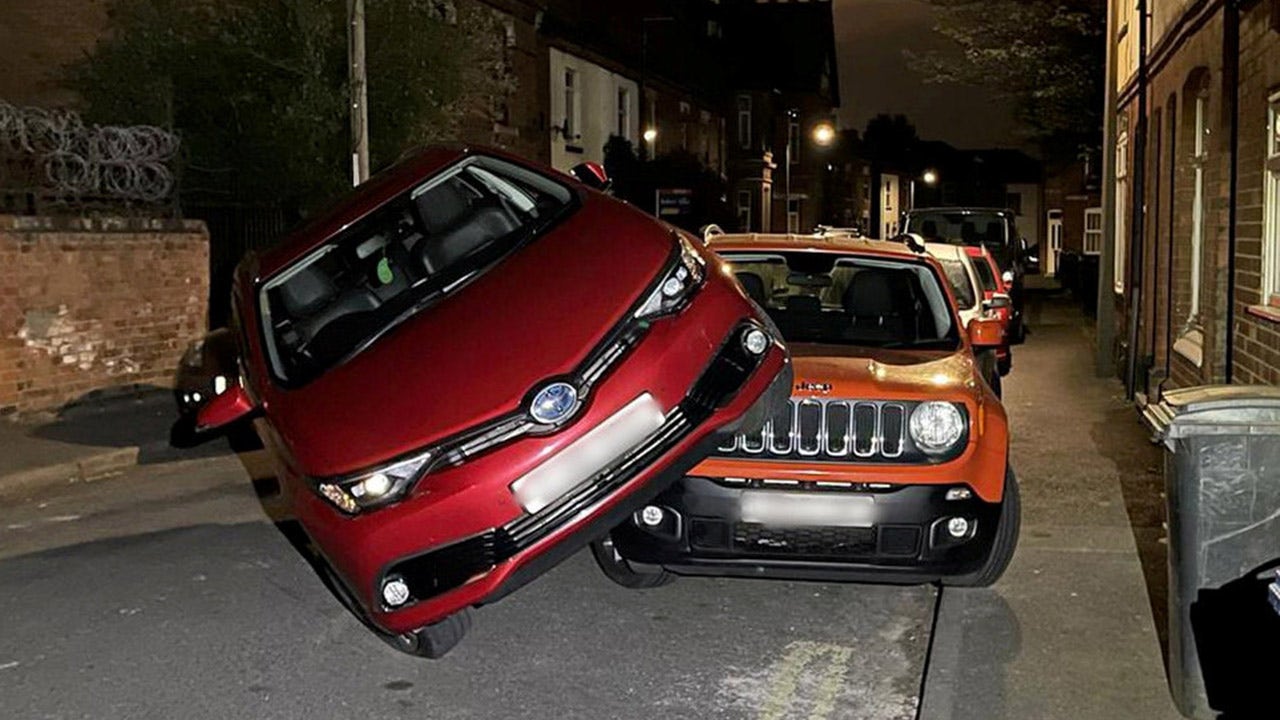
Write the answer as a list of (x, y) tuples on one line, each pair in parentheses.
[(1048, 56), (637, 181), (258, 88), (890, 139)]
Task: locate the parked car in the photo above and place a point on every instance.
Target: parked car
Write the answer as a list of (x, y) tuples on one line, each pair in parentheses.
[(962, 276), (890, 461), (992, 228), (995, 300), (472, 367)]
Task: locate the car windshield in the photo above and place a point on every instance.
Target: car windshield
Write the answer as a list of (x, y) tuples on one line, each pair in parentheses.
[(961, 284), (849, 300), (400, 259), (986, 275), (985, 229)]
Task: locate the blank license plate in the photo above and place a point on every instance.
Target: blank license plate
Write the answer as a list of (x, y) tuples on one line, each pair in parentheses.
[(796, 509)]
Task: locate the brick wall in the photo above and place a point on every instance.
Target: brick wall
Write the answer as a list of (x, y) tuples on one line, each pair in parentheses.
[(1257, 348), (95, 306)]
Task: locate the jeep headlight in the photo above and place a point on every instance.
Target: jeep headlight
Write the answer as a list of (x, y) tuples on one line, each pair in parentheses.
[(936, 427), (373, 488), (678, 285)]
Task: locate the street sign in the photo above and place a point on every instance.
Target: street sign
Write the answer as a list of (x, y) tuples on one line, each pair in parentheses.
[(673, 203)]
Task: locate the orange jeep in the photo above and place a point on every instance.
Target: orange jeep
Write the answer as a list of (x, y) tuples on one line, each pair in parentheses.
[(889, 463)]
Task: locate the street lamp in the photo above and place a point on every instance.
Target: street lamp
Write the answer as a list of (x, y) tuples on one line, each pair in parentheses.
[(650, 134), (930, 177), (824, 133)]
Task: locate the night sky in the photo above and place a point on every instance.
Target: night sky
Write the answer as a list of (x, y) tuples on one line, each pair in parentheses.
[(874, 77)]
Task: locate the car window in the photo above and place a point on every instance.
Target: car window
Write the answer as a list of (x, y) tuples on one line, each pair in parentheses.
[(986, 276), (961, 283), (846, 299), (986, 229), (403, 257)]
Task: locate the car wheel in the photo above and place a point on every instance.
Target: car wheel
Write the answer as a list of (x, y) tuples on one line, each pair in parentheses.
[(434, 641), (1006, 541), (1005, 365), (997, 385), (618, 569)]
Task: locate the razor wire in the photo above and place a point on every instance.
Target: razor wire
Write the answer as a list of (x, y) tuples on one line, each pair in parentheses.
[(59, 154)]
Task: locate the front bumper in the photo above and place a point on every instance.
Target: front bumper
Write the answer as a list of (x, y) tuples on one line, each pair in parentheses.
[(902, 535), (462, 539)]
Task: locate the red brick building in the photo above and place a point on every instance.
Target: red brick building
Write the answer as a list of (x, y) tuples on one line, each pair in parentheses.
[(1190, 290)]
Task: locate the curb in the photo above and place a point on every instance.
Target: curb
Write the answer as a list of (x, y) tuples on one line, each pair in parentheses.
[(82, 469)]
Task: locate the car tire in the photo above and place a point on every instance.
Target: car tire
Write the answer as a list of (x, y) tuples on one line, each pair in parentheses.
[(618, 569), (997, 385), (436, 640), (1005, 365), (1006, 541)]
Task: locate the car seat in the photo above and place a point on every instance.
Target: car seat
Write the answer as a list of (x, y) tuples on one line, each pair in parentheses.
[(459, 223), (753, 284)]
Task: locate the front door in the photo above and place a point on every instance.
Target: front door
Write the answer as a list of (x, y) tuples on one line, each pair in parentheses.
[(1055, 243)]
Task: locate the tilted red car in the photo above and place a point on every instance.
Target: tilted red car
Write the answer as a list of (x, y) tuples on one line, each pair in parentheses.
[(472, 367)]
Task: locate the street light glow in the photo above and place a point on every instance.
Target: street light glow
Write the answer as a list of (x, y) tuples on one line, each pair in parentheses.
[(650, 135), (930, 177), (824, 134)]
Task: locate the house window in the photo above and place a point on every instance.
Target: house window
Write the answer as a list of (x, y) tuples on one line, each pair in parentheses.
[(1093, 231), (793, 141), (1122, 209), (744, 121), (1199, 154), (570, 103), (744, 210), (624, 113), (793, 216), (1271, 209)]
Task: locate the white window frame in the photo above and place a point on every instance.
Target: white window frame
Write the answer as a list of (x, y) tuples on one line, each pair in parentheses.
[(1092, 244), (624, 113), (1120, 251), (572, 106), (744, 210), (744, 121), (1200, 154), (1271, 208)]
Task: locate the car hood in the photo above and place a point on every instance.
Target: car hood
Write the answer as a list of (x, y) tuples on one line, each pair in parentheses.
[(476, 354), (839, 371)]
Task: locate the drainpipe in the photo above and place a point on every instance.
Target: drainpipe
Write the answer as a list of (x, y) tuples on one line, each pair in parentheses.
[(1106, 321), (1138, 211), (1231, 87)]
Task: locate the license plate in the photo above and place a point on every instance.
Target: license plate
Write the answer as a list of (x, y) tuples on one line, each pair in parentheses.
[(589, 454), (796, 509)]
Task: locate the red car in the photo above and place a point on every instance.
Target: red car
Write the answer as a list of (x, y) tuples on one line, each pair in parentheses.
[(473, 367), (995, 300)]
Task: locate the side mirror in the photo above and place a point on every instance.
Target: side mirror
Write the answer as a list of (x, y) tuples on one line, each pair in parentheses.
[(986, 333), (593, 175), (998, 301), (226, 409)]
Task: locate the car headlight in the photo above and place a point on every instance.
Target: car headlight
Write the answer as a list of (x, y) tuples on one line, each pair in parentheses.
[(936, 427), (678, 285), (373, 488)]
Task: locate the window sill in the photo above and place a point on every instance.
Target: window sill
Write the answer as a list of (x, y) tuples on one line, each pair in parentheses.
[(1191, 347), (1266, 312)]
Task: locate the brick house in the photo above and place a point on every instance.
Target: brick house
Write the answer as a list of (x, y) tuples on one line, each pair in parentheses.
[(1190, 274)]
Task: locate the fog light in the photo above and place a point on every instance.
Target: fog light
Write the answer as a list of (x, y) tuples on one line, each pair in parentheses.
[(959, 494), (958, 527), (651, 515), (755, 341), (672, 287), (395, 592)]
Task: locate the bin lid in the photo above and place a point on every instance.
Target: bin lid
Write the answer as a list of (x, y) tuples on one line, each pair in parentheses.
[(1216, 410)]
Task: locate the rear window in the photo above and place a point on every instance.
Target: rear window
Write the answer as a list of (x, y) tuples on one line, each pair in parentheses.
[(986, 276), (403, 257), (830, 298), (985, 229), (961, 284)]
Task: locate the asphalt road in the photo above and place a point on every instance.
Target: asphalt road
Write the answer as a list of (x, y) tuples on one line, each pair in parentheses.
[(175, 597)]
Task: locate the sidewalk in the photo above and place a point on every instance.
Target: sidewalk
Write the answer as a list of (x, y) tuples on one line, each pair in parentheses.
[(1073, 629), (87, 441)]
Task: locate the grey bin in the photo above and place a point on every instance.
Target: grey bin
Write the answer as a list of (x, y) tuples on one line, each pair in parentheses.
[(1222, 480)]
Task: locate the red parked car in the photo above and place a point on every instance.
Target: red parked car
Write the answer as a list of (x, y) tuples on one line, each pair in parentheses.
[(473, 367), (995, 300)]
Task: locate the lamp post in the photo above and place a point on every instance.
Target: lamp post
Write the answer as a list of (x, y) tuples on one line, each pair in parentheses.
[(792, 114)]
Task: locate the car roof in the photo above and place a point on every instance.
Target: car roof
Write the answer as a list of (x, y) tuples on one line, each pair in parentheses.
[(946, 250), (842, 243), (967, 210)]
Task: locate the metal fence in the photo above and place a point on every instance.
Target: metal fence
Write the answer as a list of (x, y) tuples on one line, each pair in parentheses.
[(52, 156)]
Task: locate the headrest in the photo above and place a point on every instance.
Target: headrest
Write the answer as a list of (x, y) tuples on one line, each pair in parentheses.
[(870, 293), (753, 284), (306, 292)]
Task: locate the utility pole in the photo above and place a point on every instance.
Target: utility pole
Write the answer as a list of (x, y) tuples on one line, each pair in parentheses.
[(359, 92), (792, 114)]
